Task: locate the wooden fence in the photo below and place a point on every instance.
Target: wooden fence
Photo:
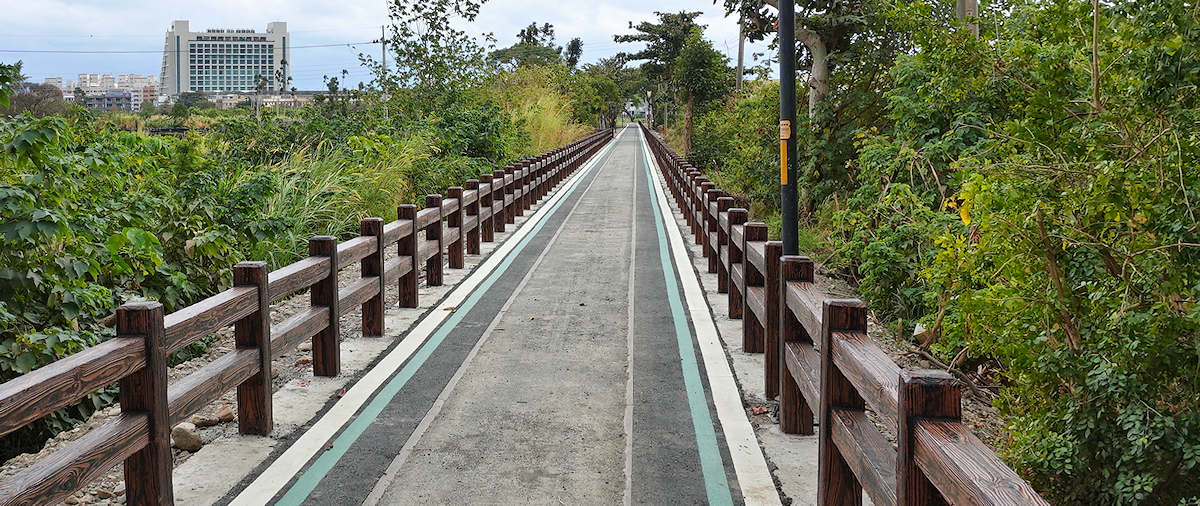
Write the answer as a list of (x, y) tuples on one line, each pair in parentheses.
[(136, 358), (818, 357)]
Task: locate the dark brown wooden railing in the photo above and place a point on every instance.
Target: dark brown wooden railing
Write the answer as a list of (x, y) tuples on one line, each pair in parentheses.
[(818, 354), (136, 358)]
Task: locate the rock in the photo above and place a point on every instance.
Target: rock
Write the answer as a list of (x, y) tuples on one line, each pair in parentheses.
[(304, 346), (225, 413), (71, 500), (105, 493), (185, 437), (119, 490), (204, 420)]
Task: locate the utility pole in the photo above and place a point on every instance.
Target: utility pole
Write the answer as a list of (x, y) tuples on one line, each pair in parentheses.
[(787, 119), (968, 9), (383, 47), (741, 65)]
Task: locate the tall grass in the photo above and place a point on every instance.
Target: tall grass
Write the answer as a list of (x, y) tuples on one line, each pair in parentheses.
[(534, 98)]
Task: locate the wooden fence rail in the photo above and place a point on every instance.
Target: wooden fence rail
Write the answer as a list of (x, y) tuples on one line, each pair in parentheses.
[(819, 359), (136, 359)]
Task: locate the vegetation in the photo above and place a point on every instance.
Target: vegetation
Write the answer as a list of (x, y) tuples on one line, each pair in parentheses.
[(96, 212), (1023, 201)]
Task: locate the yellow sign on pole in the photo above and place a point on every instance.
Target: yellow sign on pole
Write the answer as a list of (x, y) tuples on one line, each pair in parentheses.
[(783, 162), (785, 133)]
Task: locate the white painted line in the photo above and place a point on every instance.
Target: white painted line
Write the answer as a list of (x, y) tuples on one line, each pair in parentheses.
[(629, 342), (385, 481), (292, 460), (754, 477)]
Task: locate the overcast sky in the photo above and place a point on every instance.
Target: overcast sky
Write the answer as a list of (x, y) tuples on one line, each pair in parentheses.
[(140, 25)]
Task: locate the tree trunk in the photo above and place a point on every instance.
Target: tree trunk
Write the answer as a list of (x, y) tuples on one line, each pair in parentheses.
[(687, 125), (818, 75), (741, 61)]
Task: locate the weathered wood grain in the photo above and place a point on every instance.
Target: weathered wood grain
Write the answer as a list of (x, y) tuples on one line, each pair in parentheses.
[(838, 483), (185, 326), (148, 470), (297, 276), (434, 232), (406, 247), (49, 388), (354, 250), (357, 293), (207, 384), (253, 334), (394, 230), (372, 268), (866, 366), (923, 394), (290, 332), (964, 469), (60, 474), (871, 457), (326, 351)]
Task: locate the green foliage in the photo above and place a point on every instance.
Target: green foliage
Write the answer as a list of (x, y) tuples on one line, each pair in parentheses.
[(1038, 217), (92, 216), (736, 145), (701, 73)]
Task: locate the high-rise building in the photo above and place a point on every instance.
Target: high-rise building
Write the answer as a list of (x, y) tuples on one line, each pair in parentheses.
[(217, 60)]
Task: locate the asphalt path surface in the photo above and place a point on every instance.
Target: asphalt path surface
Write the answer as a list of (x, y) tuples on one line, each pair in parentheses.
[(570, 375)]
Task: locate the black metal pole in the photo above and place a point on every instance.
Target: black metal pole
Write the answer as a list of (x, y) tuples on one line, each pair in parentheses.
[(787, 121)]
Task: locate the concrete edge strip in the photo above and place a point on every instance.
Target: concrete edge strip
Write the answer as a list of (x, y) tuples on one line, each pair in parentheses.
[(754, 477), (385, 481), (293, 460), (712, 464)]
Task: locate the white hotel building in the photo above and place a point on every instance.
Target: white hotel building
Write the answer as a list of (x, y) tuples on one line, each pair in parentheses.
[(224, 60)]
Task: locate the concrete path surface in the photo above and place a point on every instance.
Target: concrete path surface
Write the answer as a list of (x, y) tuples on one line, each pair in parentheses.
[(570, 368)]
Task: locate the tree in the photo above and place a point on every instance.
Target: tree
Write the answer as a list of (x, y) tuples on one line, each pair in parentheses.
[(664, 41), (574, 52), (36, 99), (701, 74), (536, 46), (434, 61), (9, 75), (194, 99), (846, 50)]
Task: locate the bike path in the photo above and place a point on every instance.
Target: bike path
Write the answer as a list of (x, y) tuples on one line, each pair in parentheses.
[(570, 375)]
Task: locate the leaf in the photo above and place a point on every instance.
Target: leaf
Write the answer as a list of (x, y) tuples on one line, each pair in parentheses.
[(964, 212)]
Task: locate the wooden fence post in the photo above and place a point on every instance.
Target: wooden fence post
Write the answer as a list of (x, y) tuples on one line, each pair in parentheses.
[(752, 327), (724, 204), (499, 189), (433, 266), (838, 485), (737, 216), (510, 190), (407, 246), (772, 351), (372, 265), (486, 230), (327, 360), (148, 471), (454, 219), (922, 394), (795, 415), (472, 212), (518, 184), (254, 332)]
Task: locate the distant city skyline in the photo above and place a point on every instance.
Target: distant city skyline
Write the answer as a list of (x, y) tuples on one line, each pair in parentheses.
[(139, 25)]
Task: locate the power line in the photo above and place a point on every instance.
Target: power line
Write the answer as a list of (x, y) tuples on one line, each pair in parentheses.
[(160, 51)]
